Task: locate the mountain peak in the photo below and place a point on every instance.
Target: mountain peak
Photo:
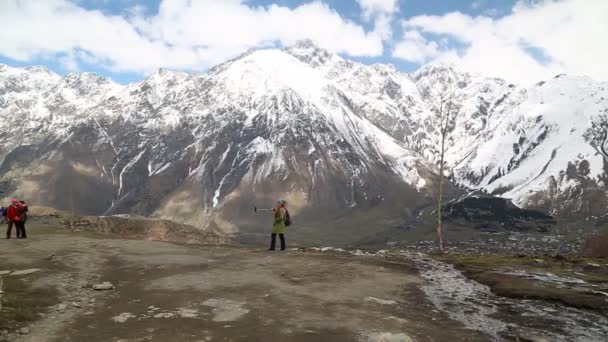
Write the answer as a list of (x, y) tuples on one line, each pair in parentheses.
[(163, 74), (309, 52), (34, 78), (304, 44), (84, 76), (38, 68), (438, 68), (35, 69)]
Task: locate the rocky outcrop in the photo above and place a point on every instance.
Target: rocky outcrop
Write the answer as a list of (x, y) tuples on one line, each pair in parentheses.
[(133, 227), (495, 214)]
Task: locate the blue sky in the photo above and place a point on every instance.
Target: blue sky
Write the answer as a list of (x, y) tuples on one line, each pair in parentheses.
[(127, 39)]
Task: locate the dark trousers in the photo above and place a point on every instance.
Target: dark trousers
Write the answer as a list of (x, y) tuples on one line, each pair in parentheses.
[(9, 229), (273, 241), (21, 229)]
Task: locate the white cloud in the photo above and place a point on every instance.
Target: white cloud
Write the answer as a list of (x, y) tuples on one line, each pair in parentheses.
[(69, 62), (372, 8), (183, 35), (415, 48), (382, 13), (570, 34)]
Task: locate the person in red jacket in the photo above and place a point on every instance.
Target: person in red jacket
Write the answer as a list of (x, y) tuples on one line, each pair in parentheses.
[(12, 216), (21, 234)]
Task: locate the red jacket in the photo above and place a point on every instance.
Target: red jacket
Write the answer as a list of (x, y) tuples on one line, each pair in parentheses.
[(12, 213)]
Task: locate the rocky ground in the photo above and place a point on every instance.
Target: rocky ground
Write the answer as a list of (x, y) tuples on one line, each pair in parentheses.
[(78, 284), (169, 292)]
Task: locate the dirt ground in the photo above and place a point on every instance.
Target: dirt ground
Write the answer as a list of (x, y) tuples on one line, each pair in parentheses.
[(169, 292)]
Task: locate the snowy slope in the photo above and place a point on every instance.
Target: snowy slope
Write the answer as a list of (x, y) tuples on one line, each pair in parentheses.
[(535, 152)]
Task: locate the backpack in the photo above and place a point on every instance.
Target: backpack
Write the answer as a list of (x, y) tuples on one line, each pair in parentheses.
[(287, 218)]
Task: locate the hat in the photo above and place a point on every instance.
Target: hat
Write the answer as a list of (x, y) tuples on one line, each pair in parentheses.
[(282, 201)]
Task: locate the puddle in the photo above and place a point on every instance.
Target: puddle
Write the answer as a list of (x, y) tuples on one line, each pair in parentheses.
[(463, 299)]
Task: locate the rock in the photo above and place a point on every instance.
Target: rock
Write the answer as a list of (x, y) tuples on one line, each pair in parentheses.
[(76, 305), (123, 317), (386, 337), (24, 331), (24, 272), (540, 261), (187, 313), (103, 286), (380, 301), (531, 338), (397, 319), (164, 315), (62, 307)]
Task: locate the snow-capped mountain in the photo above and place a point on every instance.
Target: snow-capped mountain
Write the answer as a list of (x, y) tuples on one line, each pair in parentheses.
[(206, 148), (343, 142), (535, 150)]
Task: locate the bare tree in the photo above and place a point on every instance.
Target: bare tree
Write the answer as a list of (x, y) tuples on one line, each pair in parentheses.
[(597, 137), (597, 134), (445, 106)]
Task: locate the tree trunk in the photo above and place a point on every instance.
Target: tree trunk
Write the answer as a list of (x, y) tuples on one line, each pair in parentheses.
[(440, 199)]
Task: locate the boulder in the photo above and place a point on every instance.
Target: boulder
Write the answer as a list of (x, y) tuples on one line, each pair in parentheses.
[(103, 286)]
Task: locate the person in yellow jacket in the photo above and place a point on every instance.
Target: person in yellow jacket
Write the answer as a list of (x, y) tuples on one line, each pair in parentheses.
[(281, 217)]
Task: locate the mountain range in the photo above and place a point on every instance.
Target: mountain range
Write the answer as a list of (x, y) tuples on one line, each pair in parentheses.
[(352, 147)]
